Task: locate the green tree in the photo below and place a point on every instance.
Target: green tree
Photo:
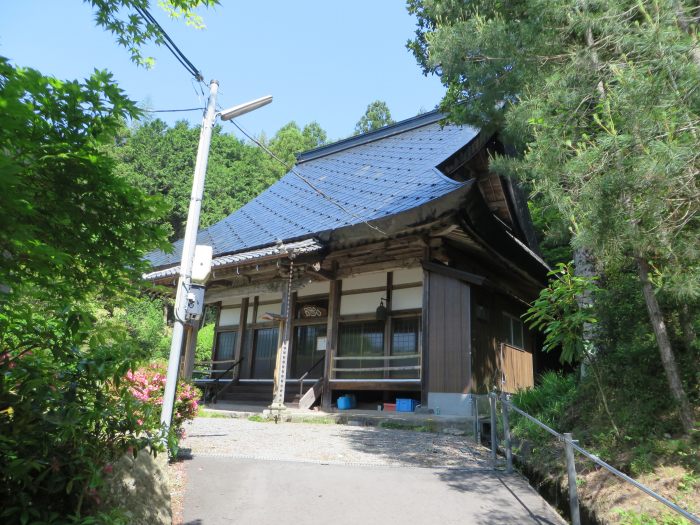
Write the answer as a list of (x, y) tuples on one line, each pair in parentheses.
[(376, 115), (70, 255), (159, 160), (600, 97), (291, 140)]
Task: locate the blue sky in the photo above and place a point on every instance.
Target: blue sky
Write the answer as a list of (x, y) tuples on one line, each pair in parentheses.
[(321, 60)]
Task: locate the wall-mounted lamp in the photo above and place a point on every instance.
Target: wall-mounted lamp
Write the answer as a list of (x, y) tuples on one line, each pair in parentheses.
[(382, 312)]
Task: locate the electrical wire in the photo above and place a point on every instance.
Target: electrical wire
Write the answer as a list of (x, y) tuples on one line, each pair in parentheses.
[(306, 181), (171, 110), (168, 42)]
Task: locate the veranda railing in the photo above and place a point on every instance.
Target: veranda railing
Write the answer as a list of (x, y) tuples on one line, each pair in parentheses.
[(371, 366)]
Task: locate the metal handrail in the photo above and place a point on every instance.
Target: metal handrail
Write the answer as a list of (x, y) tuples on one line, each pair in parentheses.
[(215, 383), (574, 444), (305, 374)]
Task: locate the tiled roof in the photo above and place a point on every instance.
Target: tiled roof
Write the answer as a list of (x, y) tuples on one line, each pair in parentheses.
[(371, 176), (296, 248)]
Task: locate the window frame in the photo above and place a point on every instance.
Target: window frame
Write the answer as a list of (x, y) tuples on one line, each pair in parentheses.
[(509, 336)]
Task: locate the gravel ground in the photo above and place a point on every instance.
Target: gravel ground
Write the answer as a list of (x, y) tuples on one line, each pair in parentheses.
[(331, 444)]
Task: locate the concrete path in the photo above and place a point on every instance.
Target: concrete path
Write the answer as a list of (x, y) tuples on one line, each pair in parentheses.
[(261, 473)]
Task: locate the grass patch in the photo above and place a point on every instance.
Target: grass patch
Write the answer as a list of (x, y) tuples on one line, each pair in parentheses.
[(323, 420), (257, 418), (203, 412)]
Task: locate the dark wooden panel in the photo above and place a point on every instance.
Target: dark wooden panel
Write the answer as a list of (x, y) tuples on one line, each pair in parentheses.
[(488, 334), (449, 335)]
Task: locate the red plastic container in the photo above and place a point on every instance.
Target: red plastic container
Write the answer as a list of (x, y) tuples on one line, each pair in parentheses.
[(389, 407)]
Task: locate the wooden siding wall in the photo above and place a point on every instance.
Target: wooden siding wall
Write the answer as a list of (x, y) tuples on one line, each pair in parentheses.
[(448, 335), (488, 334), (517, 368)]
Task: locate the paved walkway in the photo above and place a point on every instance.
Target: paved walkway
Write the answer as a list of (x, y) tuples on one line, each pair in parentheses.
[(261, 473)]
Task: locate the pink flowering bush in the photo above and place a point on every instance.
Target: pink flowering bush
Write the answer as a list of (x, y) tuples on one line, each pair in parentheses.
[(147, 385)]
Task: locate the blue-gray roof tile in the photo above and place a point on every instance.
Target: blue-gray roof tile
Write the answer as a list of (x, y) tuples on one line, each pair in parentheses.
[(371, 176)]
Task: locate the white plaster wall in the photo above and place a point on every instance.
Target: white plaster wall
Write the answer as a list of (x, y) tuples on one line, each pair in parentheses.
[(269, 297), (365, 280), (408, 275), (230, 317), (407, 298), (361, 303), (272, 308)]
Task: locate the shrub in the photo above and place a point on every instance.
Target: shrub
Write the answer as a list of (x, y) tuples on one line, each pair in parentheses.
[(550, 401), (147, 385), (65, 414)]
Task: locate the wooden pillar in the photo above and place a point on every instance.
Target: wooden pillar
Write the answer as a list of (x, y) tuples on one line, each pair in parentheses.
[(248, 367), (282, 360), (331, 341), (424, 385), (190, 348), (238, 350), (388, 322)]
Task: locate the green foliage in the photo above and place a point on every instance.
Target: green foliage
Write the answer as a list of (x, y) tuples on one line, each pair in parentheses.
[(628, 517), (71, 224), (205, 342), (159, 160), (144, 318), (600, 99), (553, 235), (65, 412), (291, 140), (133, 31), (71, 251), (377, 115), (559, 314), (551, 401)]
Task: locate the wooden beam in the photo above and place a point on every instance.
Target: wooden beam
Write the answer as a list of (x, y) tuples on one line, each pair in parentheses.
[(273, 286), (460, 275), (379, 385)]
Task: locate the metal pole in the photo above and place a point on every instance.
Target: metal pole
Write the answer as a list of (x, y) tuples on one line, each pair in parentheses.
[(188, 246), (571, 474), (475, 415), (494, 444), (506, 435)]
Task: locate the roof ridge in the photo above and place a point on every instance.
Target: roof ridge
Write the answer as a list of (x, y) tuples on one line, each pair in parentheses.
[(402, 126)]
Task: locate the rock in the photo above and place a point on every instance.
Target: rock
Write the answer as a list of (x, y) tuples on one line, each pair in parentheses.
[(453, 431), (139, 488)]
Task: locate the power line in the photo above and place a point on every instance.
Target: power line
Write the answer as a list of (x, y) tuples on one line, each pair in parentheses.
[(306, 181), (171, 110), (168, 42)]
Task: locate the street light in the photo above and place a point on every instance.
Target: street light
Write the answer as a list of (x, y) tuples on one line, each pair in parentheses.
[(241, 109), (183, 295)]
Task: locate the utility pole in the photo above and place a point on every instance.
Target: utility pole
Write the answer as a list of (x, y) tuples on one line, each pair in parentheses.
[(188, 247)]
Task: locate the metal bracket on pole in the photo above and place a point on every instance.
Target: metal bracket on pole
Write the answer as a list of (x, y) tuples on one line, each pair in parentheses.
[(506, 435), (571, 474)]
